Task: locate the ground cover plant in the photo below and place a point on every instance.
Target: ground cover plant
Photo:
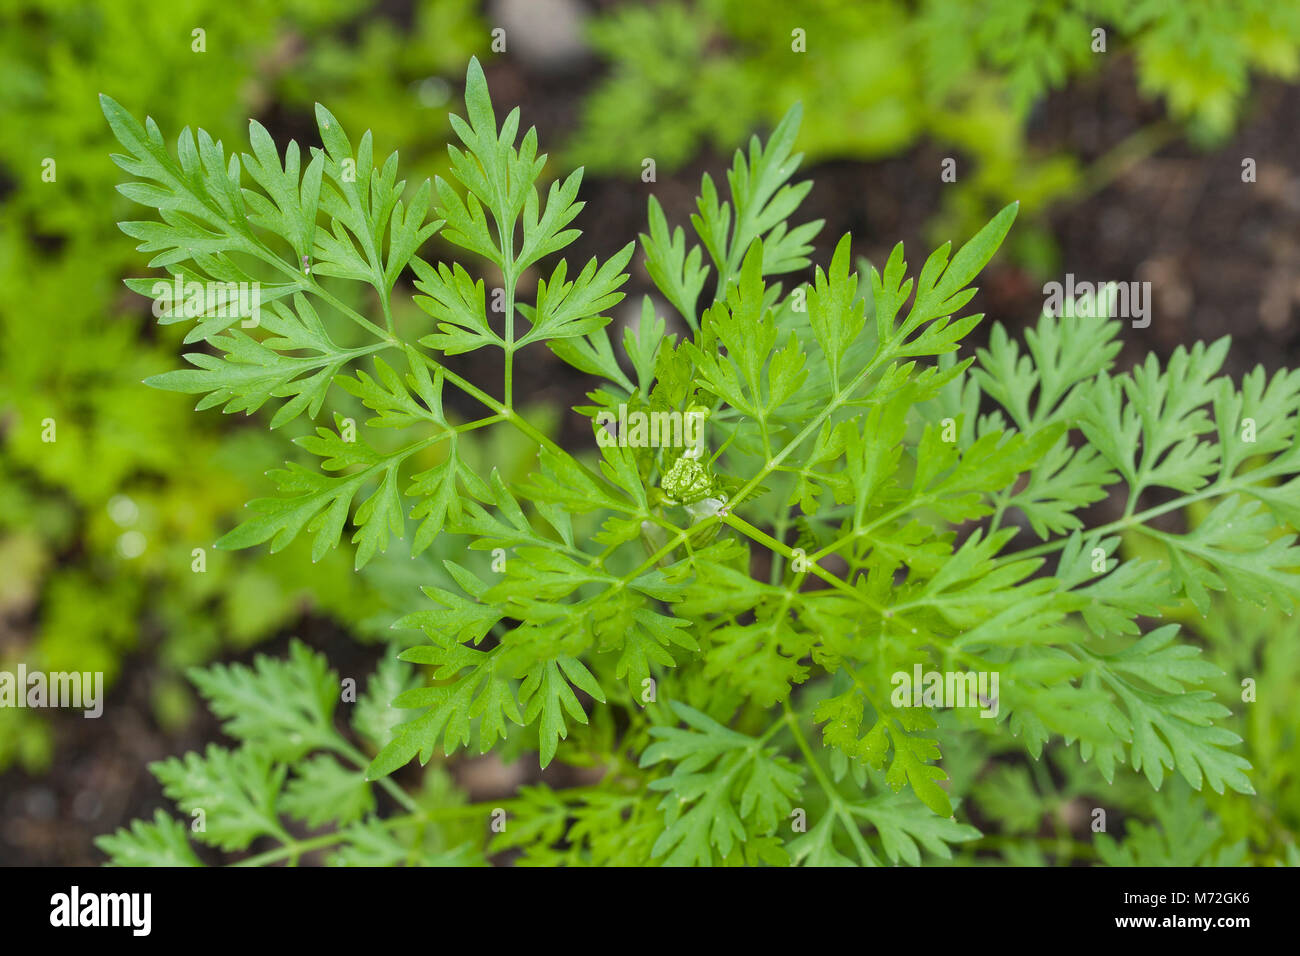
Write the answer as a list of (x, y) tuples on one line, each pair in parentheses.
[(99, 560), (803, 521)]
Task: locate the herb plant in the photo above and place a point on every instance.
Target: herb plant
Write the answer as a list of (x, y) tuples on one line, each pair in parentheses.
[(712, 636)]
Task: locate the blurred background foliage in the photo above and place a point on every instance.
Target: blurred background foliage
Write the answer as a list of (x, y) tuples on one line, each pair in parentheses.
[(98, 528), (878, 76)]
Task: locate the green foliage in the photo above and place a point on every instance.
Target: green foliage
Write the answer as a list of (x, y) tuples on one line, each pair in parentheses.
[(293, 767), (724, 786), (887, 75), (872, 508), (101, 523)]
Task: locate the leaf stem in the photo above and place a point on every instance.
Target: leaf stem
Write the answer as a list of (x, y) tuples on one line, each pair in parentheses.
[(1131, 520), (358, 759), (838, 805)]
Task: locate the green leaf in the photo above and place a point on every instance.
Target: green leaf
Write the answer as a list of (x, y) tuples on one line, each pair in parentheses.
[(160, 843), (1169, 726), (284, 707), (459, 304), (320, 503), (294, 193), (725, 789), (373, 718), (545, 694), (1234, 547), (903, 823), (678, 274), (835, 313), (1187, 834), (911, 755), (232, 793), (474, 690), (253, 371), (323, 791), (370, 844), (567, 309)]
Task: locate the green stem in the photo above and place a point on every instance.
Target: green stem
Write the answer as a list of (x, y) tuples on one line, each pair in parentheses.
[(838, 805), (310, 284), (508, 389), (779, 527), (388, 308), (358, 759), (1129, 521), (838, 400)]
